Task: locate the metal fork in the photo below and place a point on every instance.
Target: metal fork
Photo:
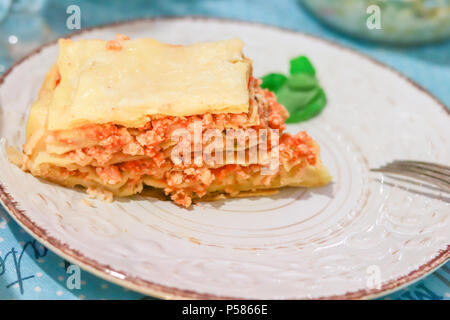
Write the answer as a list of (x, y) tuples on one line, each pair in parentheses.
[(433, 173)]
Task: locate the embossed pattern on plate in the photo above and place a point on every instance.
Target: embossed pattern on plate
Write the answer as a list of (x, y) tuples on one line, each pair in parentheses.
[(298, 244)]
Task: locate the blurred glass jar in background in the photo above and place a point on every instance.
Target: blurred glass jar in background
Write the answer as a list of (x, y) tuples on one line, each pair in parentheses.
[(22, 29), (402, 22)]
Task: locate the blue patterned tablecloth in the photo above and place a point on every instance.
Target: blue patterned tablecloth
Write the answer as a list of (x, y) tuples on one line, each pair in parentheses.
[(45, 275)]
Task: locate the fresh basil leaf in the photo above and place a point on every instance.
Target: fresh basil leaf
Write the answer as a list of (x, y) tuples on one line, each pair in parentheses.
[(300, 92), (302, 81), (309, 111), (273, 81), (295, 100), (302, 64)]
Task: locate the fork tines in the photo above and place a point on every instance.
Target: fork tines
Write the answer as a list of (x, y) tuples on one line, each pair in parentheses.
[(434, 173)]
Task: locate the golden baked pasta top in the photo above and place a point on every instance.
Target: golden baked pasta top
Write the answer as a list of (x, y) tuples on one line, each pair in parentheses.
[(125, 81)]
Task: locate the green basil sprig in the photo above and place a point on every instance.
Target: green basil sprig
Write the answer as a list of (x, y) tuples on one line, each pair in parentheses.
[(300, 92)]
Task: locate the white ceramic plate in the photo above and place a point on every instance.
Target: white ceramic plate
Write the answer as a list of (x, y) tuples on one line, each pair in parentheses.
[(333, 242)]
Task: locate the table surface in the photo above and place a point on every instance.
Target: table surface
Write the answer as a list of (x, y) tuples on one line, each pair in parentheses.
[(45, 275)]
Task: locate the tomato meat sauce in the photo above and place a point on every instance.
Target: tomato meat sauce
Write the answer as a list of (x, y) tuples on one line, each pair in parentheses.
[(112, 141)]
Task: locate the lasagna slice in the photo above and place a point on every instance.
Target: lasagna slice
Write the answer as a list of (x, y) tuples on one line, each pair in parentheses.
[(117, 116)]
